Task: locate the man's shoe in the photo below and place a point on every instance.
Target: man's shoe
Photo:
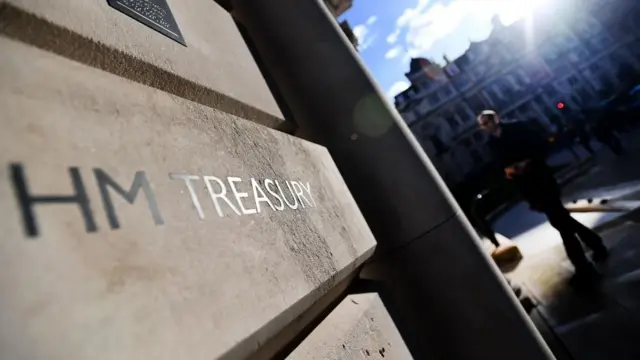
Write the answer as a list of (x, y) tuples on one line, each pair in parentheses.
[(585, 278), (517, 290), (600, 256)]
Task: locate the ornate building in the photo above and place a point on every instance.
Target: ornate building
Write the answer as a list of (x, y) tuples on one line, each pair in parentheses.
[(577, 54), (337, 8)]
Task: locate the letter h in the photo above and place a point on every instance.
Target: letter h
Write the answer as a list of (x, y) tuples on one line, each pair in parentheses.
[(27, 201)]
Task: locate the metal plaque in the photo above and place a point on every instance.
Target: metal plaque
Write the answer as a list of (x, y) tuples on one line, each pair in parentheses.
[(153, 13)]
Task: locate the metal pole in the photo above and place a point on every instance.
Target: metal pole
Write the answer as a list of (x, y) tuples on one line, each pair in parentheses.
[(452, 302)]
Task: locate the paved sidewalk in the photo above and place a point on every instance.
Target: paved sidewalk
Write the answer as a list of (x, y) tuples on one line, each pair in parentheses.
[(600, 325), (610, 172)]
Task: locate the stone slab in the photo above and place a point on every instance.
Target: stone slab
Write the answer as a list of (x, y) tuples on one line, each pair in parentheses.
[(216, 67), (434, 312), (155, 279), (611, 334), (358, 328)]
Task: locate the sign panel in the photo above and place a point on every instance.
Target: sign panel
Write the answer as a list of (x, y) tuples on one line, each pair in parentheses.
[(170, 229), (156, 14)]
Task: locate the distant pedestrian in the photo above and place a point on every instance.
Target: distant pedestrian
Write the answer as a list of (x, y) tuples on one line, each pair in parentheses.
[(578, 127), (522, 152), (604, 130)]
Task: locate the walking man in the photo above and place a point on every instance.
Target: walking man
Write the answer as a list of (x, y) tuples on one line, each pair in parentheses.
[(521, 152)]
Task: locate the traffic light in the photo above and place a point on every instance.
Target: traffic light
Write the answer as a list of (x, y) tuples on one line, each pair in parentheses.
[(560, 105)]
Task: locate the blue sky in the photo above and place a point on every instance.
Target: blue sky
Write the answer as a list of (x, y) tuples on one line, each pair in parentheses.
[(391, 32)]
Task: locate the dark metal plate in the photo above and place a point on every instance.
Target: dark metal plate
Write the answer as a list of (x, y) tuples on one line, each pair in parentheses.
[(156, 14)]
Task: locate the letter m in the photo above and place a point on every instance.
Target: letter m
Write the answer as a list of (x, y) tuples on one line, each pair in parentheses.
[(139, 182)]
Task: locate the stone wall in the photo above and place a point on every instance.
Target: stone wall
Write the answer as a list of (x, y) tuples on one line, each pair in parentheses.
[(359, 328), (214, 69), (206, 267), (143, 216)]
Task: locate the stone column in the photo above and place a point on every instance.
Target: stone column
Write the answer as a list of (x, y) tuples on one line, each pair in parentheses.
[(445, 294)]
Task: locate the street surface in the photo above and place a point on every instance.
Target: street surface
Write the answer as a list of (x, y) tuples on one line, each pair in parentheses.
[(610, 178), (605, 323)]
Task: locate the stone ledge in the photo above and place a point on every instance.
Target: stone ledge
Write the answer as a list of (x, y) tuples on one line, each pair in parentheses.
[(127, 266), (358, 328), (130, 50)]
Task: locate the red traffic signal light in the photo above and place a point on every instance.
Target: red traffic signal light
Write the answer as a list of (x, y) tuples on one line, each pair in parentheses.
[(560, 105)]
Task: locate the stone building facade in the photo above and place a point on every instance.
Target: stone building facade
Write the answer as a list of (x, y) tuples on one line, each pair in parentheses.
[(522, 71)]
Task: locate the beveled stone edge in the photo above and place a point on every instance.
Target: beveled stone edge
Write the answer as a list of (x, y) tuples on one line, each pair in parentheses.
[(283, 336)]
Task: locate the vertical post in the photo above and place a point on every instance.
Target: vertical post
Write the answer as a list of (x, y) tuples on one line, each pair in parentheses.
[(450, 300)]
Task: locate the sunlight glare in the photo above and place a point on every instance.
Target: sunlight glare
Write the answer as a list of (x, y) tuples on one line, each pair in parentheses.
[(514, 10), (511, 11)]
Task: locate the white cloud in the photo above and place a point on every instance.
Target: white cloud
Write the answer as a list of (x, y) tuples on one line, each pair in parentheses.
[(363, 33), (409, 14), (428, 22), (393, 37), (394, 52), (424, 29), (397, 88)]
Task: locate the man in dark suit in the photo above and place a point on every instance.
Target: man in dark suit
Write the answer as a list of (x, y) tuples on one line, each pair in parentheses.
[(521, 151)]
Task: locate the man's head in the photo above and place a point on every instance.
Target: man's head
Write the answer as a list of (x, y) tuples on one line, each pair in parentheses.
[(489, 122)]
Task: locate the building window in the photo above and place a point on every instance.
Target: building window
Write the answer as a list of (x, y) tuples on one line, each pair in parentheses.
[(437, 144), (593, 27), (462, 116), (561, 70), (570, 40), (422, 107), (446, 91), (573, 57), (573, 80), (582, 53), (522, 76), (514, 81), (434, 98), (480, 70), (426, 86), (549, 55), (409, 117), (498, 91), (453, 124)]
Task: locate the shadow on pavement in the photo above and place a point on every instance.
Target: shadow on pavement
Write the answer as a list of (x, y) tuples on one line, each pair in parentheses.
[(603, 323), (518, 220)]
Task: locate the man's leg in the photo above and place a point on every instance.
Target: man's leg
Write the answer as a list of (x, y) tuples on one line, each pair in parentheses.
[(587, 146), (564, 220), (560, 219), (592, 240), (490, 234)]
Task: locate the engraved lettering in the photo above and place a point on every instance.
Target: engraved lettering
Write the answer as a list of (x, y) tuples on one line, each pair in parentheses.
[(26, 201), (268, 183), (192, 193), (239, 195), (261, 197), (139, 182), (220, 195)]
